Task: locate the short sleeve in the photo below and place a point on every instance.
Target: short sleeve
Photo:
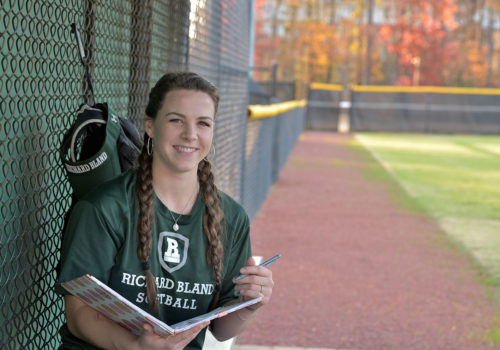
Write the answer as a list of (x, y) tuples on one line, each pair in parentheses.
[(90, 245)]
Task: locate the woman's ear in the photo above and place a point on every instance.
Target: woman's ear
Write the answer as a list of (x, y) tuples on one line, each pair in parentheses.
[(148, 126)]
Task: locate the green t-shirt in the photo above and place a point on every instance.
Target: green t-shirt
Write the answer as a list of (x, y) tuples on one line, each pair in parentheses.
[(101, 240)]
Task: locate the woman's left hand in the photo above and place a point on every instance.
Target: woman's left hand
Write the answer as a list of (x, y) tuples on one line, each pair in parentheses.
[(258, 283)]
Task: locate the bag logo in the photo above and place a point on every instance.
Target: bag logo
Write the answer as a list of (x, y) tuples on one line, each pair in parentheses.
[(172, 250), (84, 168)]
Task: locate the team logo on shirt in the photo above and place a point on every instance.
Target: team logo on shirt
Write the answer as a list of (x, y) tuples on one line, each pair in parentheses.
[(172, 250)]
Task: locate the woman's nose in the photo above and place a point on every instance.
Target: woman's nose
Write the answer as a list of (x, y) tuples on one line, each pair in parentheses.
[(190, 131)]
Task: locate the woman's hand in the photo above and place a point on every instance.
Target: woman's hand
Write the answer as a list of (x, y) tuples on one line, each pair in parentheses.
[(94, 328), (258, 283), (150, 340)]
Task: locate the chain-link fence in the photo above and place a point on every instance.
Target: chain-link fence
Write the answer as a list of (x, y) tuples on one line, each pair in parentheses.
[(129, 44), (269, 141), (218, 49), (257, 95), (323, 107), (280, 90)]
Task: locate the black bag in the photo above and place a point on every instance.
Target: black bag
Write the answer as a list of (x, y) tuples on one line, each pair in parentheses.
[(98, 146)]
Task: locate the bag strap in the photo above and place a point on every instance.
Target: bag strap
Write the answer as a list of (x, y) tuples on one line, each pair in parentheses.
[(84, 60)]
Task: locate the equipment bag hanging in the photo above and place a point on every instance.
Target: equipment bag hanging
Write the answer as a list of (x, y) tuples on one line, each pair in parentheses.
[(99, 144)]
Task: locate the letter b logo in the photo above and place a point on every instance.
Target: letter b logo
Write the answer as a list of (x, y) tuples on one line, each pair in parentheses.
[(172, 252)]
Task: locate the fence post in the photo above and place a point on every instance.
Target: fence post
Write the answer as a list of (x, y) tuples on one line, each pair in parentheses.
[(274, 69)]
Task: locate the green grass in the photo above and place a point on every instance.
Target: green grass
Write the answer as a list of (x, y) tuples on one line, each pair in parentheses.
[(455, 179)]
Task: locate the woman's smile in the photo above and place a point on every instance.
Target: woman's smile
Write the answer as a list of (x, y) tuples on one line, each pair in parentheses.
[(186, 149)]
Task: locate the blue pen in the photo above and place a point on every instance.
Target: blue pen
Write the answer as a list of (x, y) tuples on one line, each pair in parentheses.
[(265, 263)]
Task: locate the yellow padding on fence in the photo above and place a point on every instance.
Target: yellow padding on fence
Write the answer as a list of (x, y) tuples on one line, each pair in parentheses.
[(323, 86), (266, 111), (426, 89)]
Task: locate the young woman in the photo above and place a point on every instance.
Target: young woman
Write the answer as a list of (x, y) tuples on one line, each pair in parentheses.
[(162, 235)]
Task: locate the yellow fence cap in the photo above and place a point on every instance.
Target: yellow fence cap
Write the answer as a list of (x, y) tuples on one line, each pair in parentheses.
[(266, 111), (323, 86), (425, 89)]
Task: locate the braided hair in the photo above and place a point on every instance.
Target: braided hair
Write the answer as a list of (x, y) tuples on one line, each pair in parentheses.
[(212, 220)]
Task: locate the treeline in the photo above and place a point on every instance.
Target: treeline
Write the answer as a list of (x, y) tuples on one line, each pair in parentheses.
[(380, 42)]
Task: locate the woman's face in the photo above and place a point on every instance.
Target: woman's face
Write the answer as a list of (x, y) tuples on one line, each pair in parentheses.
[(182, 130)]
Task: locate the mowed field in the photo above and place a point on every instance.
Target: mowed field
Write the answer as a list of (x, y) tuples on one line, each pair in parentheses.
[(453, 178)]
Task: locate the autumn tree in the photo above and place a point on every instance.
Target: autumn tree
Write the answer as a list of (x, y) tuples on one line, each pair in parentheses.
[(478, 43), (419, 38)]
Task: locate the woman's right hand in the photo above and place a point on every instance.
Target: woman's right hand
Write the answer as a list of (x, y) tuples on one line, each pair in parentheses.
[(150, 340)]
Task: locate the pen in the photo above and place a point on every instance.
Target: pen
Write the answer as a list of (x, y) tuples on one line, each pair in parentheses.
[(265, 263)]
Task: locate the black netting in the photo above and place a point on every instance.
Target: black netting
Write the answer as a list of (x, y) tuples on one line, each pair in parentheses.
[(280, 90), (323, 109), (423, 111)]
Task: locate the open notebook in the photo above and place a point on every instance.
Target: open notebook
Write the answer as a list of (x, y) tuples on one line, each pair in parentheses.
[(115, 307)]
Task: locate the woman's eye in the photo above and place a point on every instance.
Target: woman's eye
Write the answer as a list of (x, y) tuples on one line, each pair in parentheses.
[(175, 121), (205, 124)]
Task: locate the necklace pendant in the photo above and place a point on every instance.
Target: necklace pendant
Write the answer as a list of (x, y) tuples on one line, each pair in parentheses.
[(175, 227)]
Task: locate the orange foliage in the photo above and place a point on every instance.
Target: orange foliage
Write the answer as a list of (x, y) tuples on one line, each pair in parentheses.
[(419, 37), (425, 42)]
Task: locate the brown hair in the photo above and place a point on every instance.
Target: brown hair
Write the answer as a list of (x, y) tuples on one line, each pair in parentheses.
[(212, 220)]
